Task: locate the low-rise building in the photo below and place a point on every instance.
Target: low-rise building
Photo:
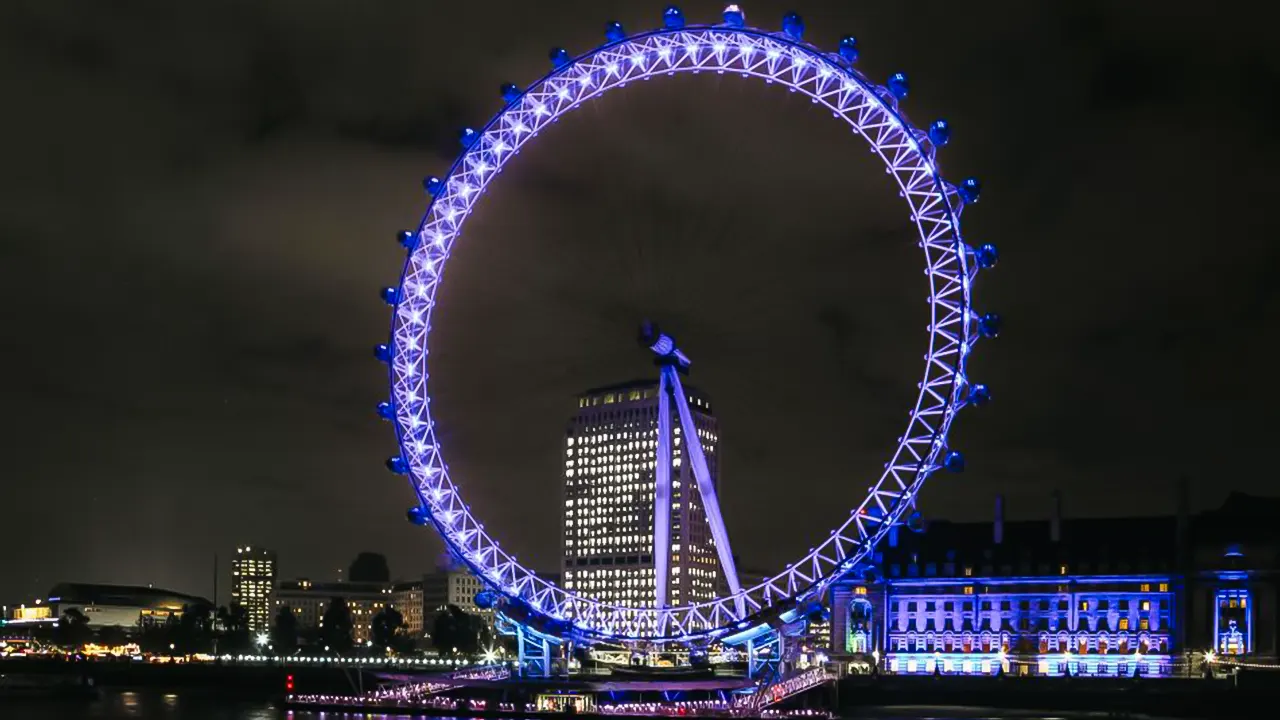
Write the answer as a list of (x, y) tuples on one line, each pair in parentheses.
[(310, 600), (125, 606), (1085, 597)]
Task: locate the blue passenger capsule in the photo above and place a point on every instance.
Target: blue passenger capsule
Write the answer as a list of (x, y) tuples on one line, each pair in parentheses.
[(849, 48), (559, 57), (979, 395), (898, 85), (970, 189), (793, 25), (954, 461), (987, 256), (989, 325), (433, 185), (734, 17), (418, 516), (386, 410), (940, 133), (390, 295), (613, 32), (916, 522), (468, 137), (382, 351), (486, 599), (407, 238), (672, 18), (397, 465), (510, 93)]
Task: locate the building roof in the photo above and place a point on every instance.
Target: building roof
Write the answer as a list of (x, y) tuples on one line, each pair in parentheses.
[(641, 384), (323, 589), (122, 596)]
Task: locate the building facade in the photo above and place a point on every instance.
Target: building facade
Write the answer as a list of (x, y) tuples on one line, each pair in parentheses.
[(1084, 597), (253, 584), (124, 606), (607, 539), (310, 600), (420, 602)]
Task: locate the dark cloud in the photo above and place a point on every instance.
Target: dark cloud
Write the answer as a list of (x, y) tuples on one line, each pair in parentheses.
[(198, 207)]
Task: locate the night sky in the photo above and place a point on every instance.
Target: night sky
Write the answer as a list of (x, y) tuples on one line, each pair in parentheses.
[(198, 204)]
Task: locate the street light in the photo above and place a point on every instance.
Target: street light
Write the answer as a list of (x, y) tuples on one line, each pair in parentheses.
[(262, 639)]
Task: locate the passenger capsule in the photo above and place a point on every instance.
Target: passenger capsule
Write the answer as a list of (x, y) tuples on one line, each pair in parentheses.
[(559, 57), (970, 190), (613, 32), (672, 18), (398, 465), (433, 185), (734, 17), (849, 48), (989, 325), (390, 295), (418, 516), (898, 85), (987, 256), (979, 395), (386, 410), (954, 461), (940, 133), (793, 26), (510, 92)]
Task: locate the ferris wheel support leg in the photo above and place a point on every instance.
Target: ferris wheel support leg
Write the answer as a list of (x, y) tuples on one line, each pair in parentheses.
[(706, 488), (662, 497), (535, 653)]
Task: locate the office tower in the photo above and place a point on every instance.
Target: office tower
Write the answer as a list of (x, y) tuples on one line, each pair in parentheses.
[(607, 538), (253, 582)]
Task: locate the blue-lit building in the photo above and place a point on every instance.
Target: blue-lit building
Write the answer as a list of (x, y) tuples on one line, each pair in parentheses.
[(1087, 597)]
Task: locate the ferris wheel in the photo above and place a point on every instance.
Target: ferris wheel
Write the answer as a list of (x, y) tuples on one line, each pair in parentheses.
[(872, 111)]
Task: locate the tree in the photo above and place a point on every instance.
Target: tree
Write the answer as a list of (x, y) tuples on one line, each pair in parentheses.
[(369, 567), (73, 629), (194, 631), (335, 628), (155, 636), (284, 632), (456, 629), (112, 636), (385, 626), (234, 620)]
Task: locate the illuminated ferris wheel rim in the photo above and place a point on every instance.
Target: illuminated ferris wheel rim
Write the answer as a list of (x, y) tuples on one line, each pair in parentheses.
[(781, 58)]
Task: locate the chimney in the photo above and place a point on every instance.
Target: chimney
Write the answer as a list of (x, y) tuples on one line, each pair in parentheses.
[(1055, 522), (999, 526)]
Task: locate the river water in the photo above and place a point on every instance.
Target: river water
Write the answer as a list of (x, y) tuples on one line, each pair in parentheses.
[(149, 704)]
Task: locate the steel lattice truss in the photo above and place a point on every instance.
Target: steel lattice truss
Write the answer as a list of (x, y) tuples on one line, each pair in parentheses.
[(870, 111)]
